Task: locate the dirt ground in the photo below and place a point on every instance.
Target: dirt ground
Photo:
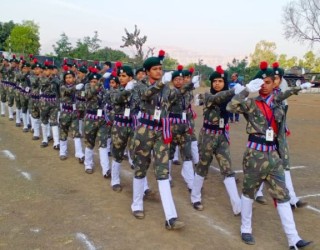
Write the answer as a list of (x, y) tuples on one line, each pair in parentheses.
[(46, 203)]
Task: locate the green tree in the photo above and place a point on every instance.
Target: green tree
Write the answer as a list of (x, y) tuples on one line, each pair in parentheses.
[(63, 46), (169, 63), (264, 51), (24, 38), (237, 66), (5, 30), (108, 54), (287, 63)]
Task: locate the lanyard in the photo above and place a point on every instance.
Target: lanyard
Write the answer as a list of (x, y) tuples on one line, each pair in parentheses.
[(269, 119), (183, 103), (159, 100)]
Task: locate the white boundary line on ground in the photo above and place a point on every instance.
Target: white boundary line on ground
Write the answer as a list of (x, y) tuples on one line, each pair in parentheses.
[(241, 171), (211, 223), (308, 195), (26, 175), (8, 154), (84, 239), (313, 209)]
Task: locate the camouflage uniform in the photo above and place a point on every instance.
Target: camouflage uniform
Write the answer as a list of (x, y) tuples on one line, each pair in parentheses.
[(3, 87), (121, 131), (25, 89), (95, 127), (214, 140), (34, 105), (69, 121), (81, 102), (49, 108), (11, 89), (181, 133)]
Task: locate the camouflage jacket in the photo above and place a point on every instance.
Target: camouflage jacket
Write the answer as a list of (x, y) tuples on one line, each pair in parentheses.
[(157, 96), (80, 94), (211, 110), (49, 86), (24, 80), (182, 100), (94, 96), (120, 100), (13, 74), (35, 84), (256, 121), (4, 71), (136, 93), (67, 94)]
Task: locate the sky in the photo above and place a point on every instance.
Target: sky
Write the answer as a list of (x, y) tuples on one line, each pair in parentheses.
[(214, 31)]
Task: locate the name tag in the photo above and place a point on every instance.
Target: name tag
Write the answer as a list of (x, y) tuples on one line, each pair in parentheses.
[(184, 116), (127, 112), (99, 113), (269, 134), (74, 107), (157, 113), (82, 93), (221, 123)]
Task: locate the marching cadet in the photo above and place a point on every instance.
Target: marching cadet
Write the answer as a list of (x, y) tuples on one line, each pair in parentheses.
[(283, 148), (25, 89), (81, 77), (261, 162), (11, 87), (214, 140), (121, 131), (5, 66), (34, 101), (153, 133), (69, 120), (140, 74), (95, 124), (49, 106), (180, 126), (187, 74)]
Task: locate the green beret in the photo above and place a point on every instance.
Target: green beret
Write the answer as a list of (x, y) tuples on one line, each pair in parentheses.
[(178, 72), (26, 64), (83, 69), (154, 61), (277, 70), (94, 76), (125, 69), (36, 65), (188, 72), (140, 70), (219, 73), (264, 71), (114, 77), (14, 59)]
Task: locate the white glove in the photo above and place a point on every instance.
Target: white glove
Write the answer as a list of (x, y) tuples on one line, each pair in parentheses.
[(196, 81), (129, 85), (238, 88), (298, 83), (106, 75), (197, 100), (167, 77), (306, 85), (254, 85), (79, 86)]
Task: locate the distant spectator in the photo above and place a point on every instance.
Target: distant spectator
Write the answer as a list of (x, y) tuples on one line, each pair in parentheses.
[(234, 80), (106, 73)]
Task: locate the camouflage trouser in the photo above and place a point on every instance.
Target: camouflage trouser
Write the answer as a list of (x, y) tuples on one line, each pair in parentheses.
[(264, 166), (181, 137), (120, 137), (3, 93), (214, 144), (10, 96), (69, 122), (146, 140), (284, 155), (193, 135), (49, 111), (34, 107), (24, 99), (95, 129), (17, 98)]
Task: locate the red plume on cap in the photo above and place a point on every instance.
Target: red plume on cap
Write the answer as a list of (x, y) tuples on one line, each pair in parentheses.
[(114, 73), (180, 67), (219, 70), (21, 57), (35, 60), (30, 56), (191, 70), (14, 56), (275, 65), (118, 64), (161, 54), (94, 70), (46, 63), (65, 67), (65, 61), (263, 65)]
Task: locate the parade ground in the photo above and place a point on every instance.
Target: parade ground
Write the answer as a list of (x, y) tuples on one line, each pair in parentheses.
[(46, 203)]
